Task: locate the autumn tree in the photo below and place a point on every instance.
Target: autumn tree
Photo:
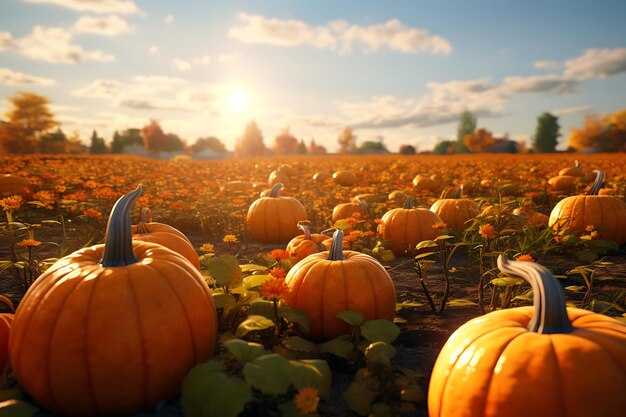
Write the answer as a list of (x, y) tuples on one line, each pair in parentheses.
[(97, 145), (302, 149), (479, 141), (210, 142), (347, 141), (373, 146), (54, 142), (315, 149), (603, 134), (251, 142), (29, 118), (154, 140), (407, 150), (547, 132), (128, 137), (285, 143), (467, 126), (445, 147)]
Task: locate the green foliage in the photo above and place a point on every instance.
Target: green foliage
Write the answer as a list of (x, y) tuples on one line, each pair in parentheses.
[(445, 147), (97, 145), (467, 126), (547, 133)]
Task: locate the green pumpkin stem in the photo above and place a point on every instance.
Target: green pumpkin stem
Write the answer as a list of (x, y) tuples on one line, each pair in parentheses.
[(118, 246), (145, 217), (409, 203), (276, 189), (306, 230), (336, 249), (597, 184), (549, 314)]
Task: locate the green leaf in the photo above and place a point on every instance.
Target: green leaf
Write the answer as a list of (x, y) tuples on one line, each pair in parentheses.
[(324, 370), (270, 374), (253, 268), (585, 256), (380, 331), (225, 301), (359, 398), (400, 306), (412, 393), (208, 392), (424, 255), (380, 352), (253, 323), (427, 244), (460, 302), (298, 344), (444, 237), (339, 346), (570, 240), (297, 317), (304, 375), (10, 394), (381, 410), (506, 282), (353, 318), (225, 270), (244, 351), (575, 288), (260, 307), (253, 281), (17, 408)]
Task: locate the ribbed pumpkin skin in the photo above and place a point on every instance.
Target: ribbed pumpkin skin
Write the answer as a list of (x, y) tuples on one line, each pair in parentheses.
[(578, 212), (6, 321), (299, 247), (492, 366), (275, 219), (405, 228), (322, 288), (170, 237), (345, 210), (13, 185), (90, 340), (455, 212)]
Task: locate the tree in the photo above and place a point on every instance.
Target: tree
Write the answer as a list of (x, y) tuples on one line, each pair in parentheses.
[(347, 141), (315, 149), (173, 143), (116, 144), (371, 146), (210, 142), (445, 147), (154, 140), (285, 143), (97, 146), (479, 141), (55, 142), (129, 137), (546, 133), (467, 126), (302, 147), (74, 144), (29, 118), (407, 150), (601, 134), (251, 142)]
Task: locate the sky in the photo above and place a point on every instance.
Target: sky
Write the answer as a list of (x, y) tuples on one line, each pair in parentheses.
[(401, 71)]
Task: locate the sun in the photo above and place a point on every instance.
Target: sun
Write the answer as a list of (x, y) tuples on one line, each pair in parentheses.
[(238, 101)]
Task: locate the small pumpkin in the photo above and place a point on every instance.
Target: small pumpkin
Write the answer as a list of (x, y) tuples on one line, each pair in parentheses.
[(529, 217), (345, 210), (275, 219), (14, 184), (425, 183), (407, 226), (112, 328), (540, 361), (606, 213), (575, 171), (148, 231), (563, 183), (326, 283), (321, 176), (237, 187), (345, 178), (455, 212), (278, 176), (307, 244)]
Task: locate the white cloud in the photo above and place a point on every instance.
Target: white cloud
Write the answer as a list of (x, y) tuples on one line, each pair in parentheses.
[(227, 57), (203, 60), (338, 35), (94, 6), (552, 83), (168, 19), (547, 65), (10, 77), (598, 63), (181, 65), (154, 50), (159, 79), (100, 89), (102, 25), (570, 110), (6, 41)]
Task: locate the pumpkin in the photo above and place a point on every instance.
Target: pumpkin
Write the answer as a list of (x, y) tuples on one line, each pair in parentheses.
[(112, 328), (398, 195), (6, 320), (563, 184), (455, 212), (148, 231), (14, 184), (289, 171), (575, 171), (275, 219), (540, 361), (529, 217), (321, 176), (605, 212), (282, 192), (345, 178), (406, 227), (278, 176), (326, 283), (307, 244), (238, 187), (424, 183), (345, 210)]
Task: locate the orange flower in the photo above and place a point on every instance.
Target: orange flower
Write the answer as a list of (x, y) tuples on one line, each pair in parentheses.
[(525, 258), (307, 400), (487, 231), (278, 273), (28, 243), (274, 288), (230, 239), (208, 248), (439, 226), (595, 235), (11, 203), (237, 202), (92, 212), (279, 254), (590, 228)]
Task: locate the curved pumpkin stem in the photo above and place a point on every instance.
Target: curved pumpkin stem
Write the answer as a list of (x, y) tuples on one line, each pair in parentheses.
[(577, 164), (549, 314), (409, 203), (363, 204), (336, 249), (145, 217), (459, 192), (597, 184), (276, 189), (306, 229), (118, 246)]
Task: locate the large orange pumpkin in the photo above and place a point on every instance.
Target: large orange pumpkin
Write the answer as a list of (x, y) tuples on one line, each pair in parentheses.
[(112, 328), (540, 361), (307, 244), (275, 219), (14, 184), (148, 231), (406, 227), (605, 212), (345, 210), (455, 212), (6, 321), (327, 283)]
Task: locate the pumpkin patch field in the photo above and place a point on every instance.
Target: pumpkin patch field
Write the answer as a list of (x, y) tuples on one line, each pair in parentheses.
[(340, 285)]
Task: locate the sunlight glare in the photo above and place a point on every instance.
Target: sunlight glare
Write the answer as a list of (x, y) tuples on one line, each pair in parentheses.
[(238, 101)]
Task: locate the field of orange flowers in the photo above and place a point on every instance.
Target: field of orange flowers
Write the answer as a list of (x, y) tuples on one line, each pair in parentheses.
[(276, 352)]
